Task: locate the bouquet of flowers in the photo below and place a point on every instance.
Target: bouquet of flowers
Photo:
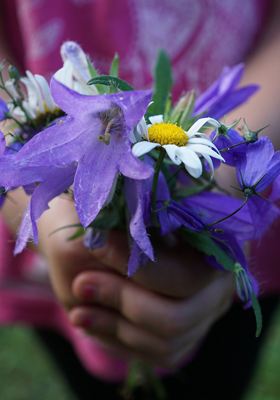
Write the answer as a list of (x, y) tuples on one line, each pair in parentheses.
[(132, 160)]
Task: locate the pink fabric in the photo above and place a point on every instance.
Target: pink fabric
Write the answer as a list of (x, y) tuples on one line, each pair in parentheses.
[(200, 36)]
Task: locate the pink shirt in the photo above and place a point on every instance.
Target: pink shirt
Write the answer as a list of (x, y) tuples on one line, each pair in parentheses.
[(200, 36)]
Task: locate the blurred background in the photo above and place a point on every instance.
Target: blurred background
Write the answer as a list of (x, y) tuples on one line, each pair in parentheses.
[(27, 371)]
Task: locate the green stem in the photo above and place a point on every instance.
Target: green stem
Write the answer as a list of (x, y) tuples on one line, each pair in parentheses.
[(9, 116), (228, 216), (231, 147), (181, 166), (3, 87), (154, 186)]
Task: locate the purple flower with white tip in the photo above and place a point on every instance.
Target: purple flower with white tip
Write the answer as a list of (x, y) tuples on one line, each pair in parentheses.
[(75, 71), (95, 135)]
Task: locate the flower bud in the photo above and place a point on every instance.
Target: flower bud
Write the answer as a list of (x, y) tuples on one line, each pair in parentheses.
[(13, 73), (250, 136), (95, 238), (243, 284)]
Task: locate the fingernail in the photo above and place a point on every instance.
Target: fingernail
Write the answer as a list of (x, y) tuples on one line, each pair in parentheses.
[(88, 292), (86, 322)]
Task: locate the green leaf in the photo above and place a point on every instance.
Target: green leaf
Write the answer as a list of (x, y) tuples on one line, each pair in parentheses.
[(114, 70), (92, 70), (113, 89), (207, 245), (93, 74), (163, 84), (65, 227), (107, 80), (79, 232), (258, 313)]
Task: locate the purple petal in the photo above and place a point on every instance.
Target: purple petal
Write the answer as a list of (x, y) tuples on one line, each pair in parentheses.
[(222, 97), (134, 105), (231, 101), (187, 217), (137, 259), (254, 166), (25, 232), (214, 206), (2, 143), (3, 110), (228, 79), (263, 214), (58, 181), (137, 200)]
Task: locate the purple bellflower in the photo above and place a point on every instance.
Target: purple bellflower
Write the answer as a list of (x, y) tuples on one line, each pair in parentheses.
[(222, 96), (213, 207), (95, 135), (256, 172)]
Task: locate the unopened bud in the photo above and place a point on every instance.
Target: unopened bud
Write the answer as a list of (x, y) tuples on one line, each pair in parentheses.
[(218, 230), (251, 136), (95, 238), (13, 73), (243, 284)]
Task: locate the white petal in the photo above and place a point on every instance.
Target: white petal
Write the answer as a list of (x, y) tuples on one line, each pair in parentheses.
[(142, 128), (171, 151), (206, 142), (42, 82), (65, 74), (214, 122), (191, 160), (200, 134), (156, 119), (199, 148), (210, 162), (199, 124), (144, 147), (36, 90), (131, 136)]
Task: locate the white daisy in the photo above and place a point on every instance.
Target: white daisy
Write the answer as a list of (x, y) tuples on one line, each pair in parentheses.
[(180, 146), (38, 100)]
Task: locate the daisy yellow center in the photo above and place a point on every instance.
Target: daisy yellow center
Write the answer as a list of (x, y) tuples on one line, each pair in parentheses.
[(167, 133)]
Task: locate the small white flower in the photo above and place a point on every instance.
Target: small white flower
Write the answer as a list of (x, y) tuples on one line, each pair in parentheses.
[(180, 146), (38, 100)]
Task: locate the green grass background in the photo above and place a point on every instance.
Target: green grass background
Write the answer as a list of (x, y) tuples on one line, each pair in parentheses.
[(27, 372)]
